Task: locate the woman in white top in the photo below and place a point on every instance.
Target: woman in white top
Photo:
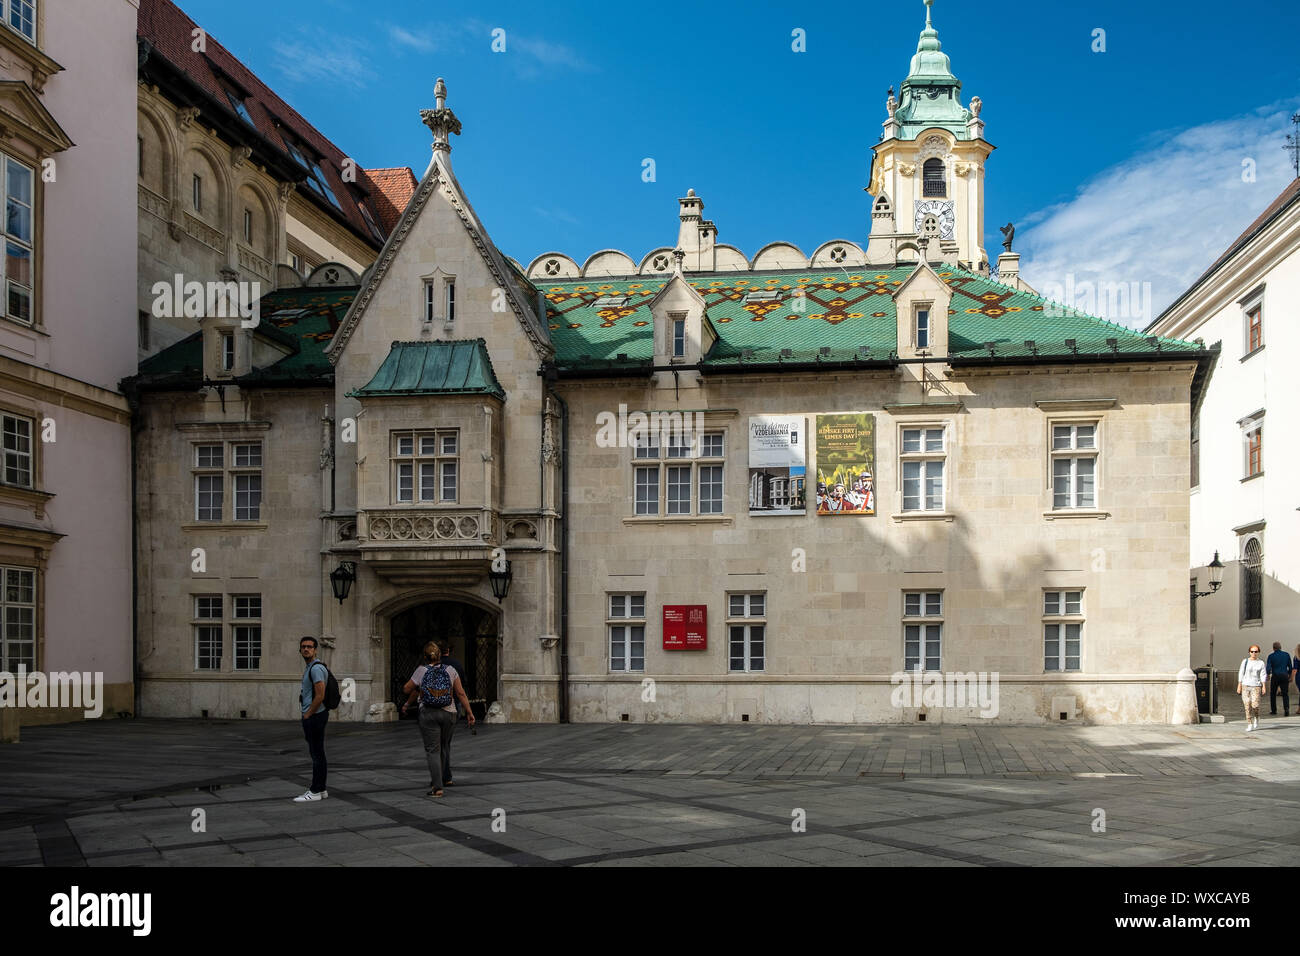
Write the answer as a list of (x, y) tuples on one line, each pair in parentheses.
[(1251, 676)]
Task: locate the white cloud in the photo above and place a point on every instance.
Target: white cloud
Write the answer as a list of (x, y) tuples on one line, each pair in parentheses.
[(421, 41), (1155, 222), (529, 56), (321, 57)]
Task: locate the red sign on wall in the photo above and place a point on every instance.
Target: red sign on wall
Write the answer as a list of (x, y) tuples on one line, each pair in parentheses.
[(686, 627)]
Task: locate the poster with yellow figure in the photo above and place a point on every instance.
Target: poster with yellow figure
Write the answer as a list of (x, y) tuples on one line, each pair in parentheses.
[(846, 464)]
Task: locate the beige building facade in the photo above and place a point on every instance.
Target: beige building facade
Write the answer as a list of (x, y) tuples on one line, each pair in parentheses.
[(688, 486)]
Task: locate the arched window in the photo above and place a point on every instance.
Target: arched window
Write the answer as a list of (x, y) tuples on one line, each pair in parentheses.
[(1252, 582), (935, 184)]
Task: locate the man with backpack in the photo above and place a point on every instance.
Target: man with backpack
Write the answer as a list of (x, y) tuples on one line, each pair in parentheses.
[(439, 688), (316, 706)]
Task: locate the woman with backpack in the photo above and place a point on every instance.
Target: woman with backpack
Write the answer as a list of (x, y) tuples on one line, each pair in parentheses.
[(438, 687)]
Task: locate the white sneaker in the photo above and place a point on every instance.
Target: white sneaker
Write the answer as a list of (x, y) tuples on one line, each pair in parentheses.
[(1250, 725), (309, 797)]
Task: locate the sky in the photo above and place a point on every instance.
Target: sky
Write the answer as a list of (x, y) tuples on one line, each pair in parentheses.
[(1127, 158)]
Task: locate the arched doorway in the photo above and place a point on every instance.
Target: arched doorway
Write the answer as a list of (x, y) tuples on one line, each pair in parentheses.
[(470, 631)]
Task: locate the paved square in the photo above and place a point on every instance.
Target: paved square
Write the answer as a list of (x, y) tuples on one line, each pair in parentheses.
[(126, 794)]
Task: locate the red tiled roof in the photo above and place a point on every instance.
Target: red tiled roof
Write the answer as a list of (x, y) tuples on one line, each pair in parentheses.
[(170, 32), (1288, 196), (394, 188)]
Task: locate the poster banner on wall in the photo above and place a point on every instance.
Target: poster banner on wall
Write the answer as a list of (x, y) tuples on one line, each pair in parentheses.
[(846, 464), (776, 465), (686, 627)]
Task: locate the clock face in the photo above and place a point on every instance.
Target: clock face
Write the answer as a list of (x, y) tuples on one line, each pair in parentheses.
[(941, 209)]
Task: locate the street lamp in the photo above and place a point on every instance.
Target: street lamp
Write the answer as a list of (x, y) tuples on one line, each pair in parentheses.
[(500, 582), (1216, 577), (341, 579)]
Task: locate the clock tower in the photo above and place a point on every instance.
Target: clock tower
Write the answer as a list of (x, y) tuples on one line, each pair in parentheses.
[(927, 174)]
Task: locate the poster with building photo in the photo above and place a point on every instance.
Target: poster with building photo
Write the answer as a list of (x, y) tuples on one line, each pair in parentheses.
[(846, 464), (776, 465)]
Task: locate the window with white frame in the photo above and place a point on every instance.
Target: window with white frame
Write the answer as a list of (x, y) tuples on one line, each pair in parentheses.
[(18, 607), (1253, 312), (626, 628), (429, 300), (449, 300), (921, 461), (747, 631), (17, 450), (426, 466), (1062, 630), (922, 630), (247, 631), (227, 351), (207, 626), (1074, 457), (19, 240), (222, 465), (679, 336), (1252, 436), (20, 16), (682, 474), (923, 327)]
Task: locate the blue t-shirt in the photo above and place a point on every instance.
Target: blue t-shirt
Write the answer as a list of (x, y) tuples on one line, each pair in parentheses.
[(1279, 664), (317, 672)]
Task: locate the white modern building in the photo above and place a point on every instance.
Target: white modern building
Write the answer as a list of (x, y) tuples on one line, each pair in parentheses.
[(1245, 468)]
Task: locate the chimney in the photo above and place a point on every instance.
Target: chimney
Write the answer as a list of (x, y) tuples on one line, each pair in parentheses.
[(1009, 269), (690, 233)]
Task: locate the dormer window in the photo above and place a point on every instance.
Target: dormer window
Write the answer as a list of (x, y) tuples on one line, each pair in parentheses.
[(679, 337), (923, 328), (428, 300), (935, 184), (451, 300)]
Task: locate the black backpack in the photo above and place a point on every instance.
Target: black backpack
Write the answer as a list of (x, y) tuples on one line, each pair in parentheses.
[(333, 696)]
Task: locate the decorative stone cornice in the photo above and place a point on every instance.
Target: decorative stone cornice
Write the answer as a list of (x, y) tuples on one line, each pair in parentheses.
[(185, 117)]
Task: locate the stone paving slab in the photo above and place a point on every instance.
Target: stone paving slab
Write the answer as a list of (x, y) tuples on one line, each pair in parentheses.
[(124, 793)]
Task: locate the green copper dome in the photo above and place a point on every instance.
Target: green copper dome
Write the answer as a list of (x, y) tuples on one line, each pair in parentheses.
[(931, 94)]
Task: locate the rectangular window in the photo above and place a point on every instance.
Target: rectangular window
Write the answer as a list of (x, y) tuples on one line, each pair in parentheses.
[(1196, 451), (247, 631), (19, 240), (1254, 448), (207, 632), (747, 632), (18, 642), (20, 16), (295, 260), (923, 328), (432, 458), (1255, 328), (626, 627), (1193, 609), (922, 630), (1074, 465), (227, 351), (142, 330), (1062, 630), (248, 226), (679, 338), (921, 463), (247, 457), (198, 193), (18, 451), (451, 301), (428, 300), (680, 465), (139, 156), (208, 482)]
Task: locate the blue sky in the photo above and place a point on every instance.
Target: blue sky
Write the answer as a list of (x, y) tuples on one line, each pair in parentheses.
[(1117, 166)]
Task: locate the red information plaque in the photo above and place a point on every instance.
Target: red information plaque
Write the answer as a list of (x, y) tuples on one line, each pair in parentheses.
[(686, 627)]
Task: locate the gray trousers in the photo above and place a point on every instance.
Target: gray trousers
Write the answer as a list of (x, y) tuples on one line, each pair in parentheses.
[(436, 727)]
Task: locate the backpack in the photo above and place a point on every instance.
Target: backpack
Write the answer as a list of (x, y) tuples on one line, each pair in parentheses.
[(333, 696), (435, 687)]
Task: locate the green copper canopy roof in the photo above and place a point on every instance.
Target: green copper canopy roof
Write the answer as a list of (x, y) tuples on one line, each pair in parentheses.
[(931, 94), (435, 368)]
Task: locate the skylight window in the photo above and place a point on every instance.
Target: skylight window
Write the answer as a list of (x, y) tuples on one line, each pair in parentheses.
[(237, 104), (611, 302), (764, 295)]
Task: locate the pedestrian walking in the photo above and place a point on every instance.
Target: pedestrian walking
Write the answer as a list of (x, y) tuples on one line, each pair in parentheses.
[(438, 687), (1251, 676), (445, 647), (1279, 679), (314, 718)]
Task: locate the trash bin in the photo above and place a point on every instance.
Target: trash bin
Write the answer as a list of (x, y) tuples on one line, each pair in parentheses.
[(1207, 695)]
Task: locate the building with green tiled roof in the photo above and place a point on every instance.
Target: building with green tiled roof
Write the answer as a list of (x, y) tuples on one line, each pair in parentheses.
[(693, 486)]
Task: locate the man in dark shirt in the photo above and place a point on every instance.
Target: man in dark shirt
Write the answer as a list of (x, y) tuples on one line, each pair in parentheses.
[(1279, 678)]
